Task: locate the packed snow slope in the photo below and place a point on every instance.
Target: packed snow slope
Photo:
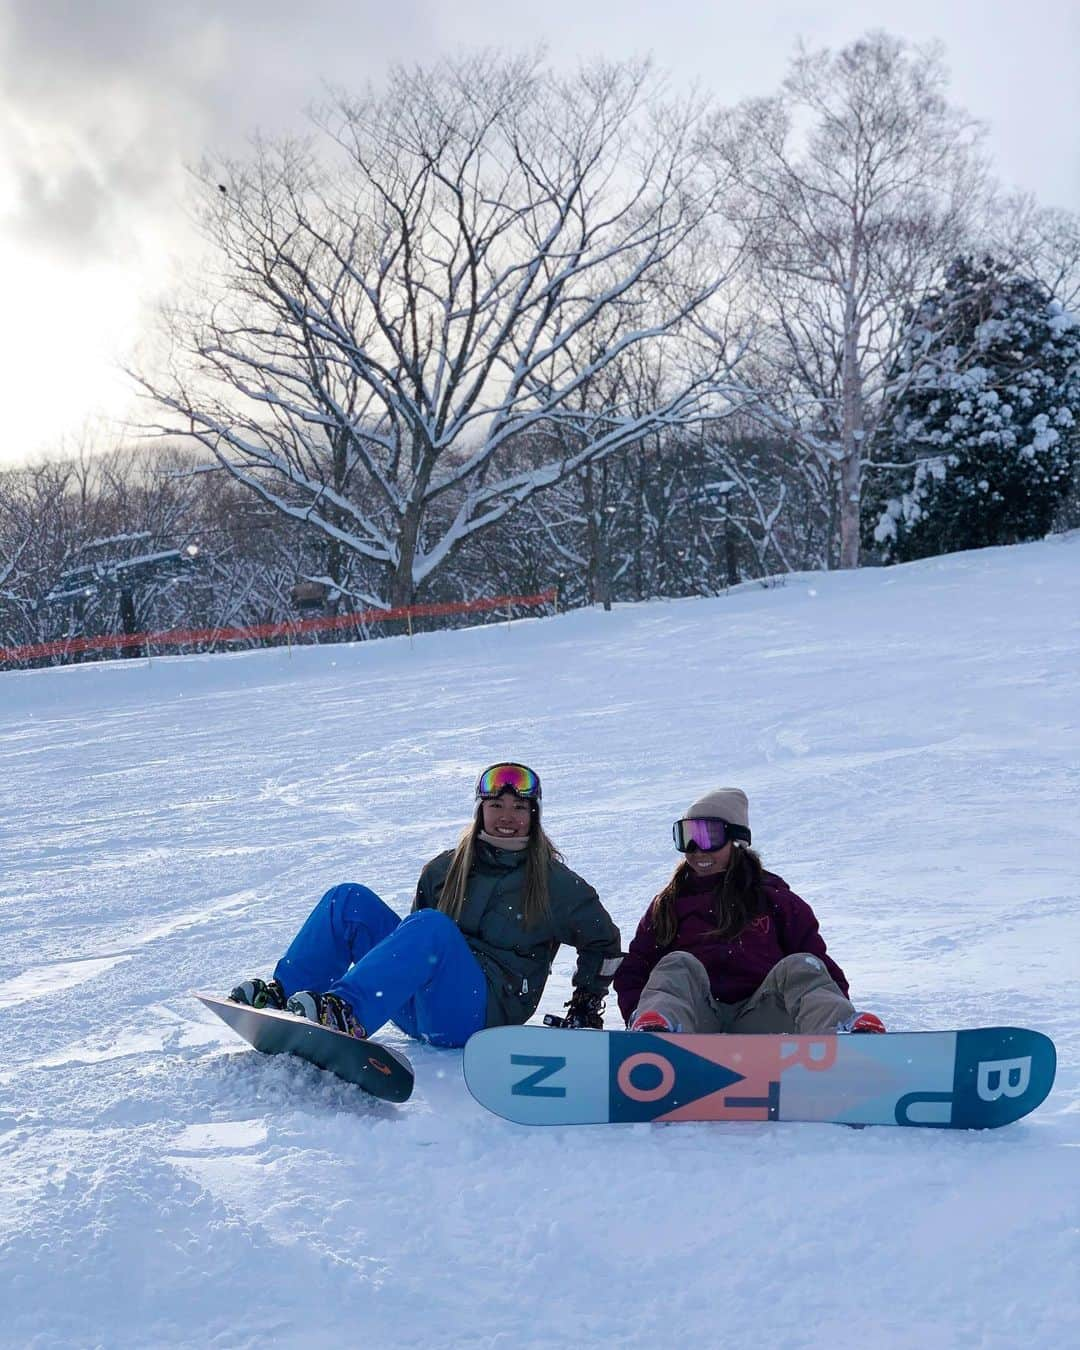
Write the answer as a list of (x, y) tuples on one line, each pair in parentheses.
[(910, 741)]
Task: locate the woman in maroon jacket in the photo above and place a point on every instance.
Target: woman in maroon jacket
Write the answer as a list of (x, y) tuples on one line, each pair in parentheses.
[(726, 946)]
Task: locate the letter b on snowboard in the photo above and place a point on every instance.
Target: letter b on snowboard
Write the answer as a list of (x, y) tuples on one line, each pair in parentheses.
[(1003, 1078)]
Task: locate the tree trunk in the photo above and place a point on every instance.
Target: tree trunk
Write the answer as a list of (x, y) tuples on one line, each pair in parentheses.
[(850, 504), (851, 434), (128, 620), (401, 578), (639, 522), (729, 553), (599, 569), (402, 589)]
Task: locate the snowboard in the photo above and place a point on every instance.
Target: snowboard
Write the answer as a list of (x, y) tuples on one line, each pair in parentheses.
[(960, 1080), (380, 1071)]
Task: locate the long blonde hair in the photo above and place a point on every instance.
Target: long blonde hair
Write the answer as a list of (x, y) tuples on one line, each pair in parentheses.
[(540, 853)]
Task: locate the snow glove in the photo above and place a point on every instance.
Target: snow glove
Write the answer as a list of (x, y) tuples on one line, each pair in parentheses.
[(583, 1011)]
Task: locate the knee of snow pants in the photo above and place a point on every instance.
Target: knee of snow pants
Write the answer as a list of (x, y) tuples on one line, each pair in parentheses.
[(678, 987), (343, 927), (798, 994), (423, 977)]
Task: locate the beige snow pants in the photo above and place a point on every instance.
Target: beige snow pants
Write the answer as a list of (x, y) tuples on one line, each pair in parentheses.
[(798, 994)]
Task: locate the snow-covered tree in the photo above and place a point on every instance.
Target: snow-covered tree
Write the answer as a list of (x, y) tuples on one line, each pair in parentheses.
[(853, 185), (384, 325), (28, 503), (122, 540), (982, 445)]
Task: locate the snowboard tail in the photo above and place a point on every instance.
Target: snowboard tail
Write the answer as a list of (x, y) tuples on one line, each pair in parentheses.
[(380, 1071), (977, 1079)]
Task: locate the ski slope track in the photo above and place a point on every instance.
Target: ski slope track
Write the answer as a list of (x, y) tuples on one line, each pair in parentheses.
[(910, 741)]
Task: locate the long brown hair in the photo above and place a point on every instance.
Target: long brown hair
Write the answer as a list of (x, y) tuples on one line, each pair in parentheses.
[(738, 898), (540, 853)]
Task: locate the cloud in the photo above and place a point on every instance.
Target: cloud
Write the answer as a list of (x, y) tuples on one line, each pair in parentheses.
[(105, 104), (91, 139)]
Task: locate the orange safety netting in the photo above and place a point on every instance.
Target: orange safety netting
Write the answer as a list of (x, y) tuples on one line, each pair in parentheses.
[(288, 628)]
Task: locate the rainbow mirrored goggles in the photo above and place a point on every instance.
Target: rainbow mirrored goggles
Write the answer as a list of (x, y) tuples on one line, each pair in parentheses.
[(707, 833), (516, 778)]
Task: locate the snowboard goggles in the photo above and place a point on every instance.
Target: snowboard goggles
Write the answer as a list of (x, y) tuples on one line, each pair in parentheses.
[(707, 833), (515, 778)]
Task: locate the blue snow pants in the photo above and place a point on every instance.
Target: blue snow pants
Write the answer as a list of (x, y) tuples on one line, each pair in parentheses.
[(416, 972)]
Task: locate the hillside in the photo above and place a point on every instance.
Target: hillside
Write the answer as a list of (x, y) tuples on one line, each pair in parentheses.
[(910, 742)]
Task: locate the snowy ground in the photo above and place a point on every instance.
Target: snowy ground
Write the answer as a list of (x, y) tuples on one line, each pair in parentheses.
[(910, 740)]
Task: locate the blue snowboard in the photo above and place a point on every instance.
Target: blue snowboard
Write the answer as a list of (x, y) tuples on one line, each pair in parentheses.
[(960, 1080)]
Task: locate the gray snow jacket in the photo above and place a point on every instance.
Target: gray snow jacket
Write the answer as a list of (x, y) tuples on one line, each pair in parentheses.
[(516, 961)]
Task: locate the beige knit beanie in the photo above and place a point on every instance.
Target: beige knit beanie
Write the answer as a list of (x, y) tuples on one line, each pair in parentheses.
[(727, 803)]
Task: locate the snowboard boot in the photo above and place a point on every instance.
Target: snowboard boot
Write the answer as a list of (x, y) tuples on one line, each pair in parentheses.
[(861, 1023), (258, 993), (328, 1010), (583, 1012), (654, 1022)]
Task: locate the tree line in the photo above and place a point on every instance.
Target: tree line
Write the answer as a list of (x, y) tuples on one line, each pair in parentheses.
[(495, 327)]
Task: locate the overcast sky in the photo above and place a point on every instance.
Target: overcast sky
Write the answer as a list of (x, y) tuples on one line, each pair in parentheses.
[(103, 102)]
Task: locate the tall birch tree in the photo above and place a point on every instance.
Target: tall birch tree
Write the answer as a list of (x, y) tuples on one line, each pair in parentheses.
[(854, 185)]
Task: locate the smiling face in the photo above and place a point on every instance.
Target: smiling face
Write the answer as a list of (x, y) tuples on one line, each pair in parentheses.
[(709, 864), (506, 816)]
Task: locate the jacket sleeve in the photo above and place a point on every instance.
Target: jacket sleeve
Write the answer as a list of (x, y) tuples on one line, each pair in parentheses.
[(427, 886), (587, 926), (800, 934), (637, 965)]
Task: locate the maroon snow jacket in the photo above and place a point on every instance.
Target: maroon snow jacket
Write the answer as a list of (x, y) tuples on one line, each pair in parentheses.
[(738, 965)]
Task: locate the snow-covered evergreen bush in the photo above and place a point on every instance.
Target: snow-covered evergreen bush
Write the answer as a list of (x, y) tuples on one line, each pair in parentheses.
[(982, 445)]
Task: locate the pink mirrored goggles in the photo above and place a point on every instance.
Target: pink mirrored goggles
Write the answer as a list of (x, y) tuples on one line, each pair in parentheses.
[(516, 778), (707, 833)]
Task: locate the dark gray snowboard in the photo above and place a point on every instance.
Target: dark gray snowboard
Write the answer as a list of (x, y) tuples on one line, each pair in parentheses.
[(380, 1071)]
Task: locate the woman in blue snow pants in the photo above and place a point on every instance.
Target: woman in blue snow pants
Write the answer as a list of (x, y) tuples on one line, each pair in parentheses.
[(476, 950)]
